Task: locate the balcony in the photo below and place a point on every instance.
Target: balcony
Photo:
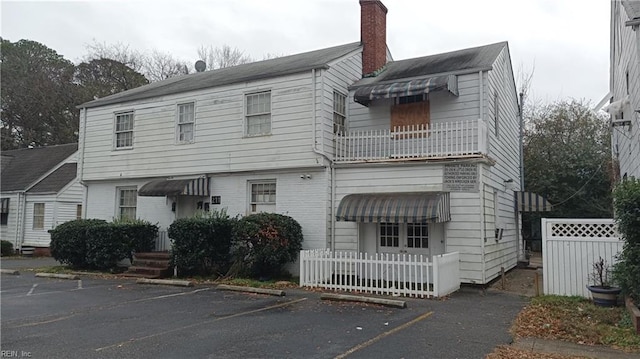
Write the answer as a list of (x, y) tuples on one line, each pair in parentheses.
[(440, 140)]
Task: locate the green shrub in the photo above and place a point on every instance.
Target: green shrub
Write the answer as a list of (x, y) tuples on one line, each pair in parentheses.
[(140, 234), (6, 248), (626, 272), (69, 241), (200, 245), (94, 243), (265, 242)]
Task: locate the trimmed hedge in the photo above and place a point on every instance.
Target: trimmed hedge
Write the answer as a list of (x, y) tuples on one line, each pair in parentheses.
[(94, 243), (201, 244), (265, 243), (6, 248)]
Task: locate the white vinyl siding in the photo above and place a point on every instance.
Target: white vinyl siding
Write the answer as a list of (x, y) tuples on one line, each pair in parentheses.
[(339, 112), (127, 202), (258, 113), (124, 130), (186, 122)]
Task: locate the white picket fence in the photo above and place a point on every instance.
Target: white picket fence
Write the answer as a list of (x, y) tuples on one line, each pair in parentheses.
[(381, 273), (569, 249), (459, 138)]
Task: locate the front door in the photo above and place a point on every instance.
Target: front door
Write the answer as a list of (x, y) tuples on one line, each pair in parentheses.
[(411, 238)]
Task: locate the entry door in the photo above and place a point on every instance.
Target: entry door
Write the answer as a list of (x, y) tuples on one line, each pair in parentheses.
[(411, 238)]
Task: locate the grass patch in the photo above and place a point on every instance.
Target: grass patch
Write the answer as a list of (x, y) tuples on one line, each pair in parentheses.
[(575, 319), (55, 269), (269, 284)]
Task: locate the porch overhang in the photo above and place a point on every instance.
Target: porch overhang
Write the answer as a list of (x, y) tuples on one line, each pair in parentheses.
[(364, 95), (176, 187), (402, 207), (531, 202), (4, 205)]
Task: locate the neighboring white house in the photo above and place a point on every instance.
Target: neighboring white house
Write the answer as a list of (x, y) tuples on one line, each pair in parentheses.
[(410, 156), (625, 86), (40, 190)]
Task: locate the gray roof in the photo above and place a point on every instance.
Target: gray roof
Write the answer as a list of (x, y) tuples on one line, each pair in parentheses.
[(27, 165), (57, 180), (632, 8), (461, 61), (280, 66)]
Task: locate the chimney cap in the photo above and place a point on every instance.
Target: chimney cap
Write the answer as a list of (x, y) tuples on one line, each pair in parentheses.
[(374, 2)]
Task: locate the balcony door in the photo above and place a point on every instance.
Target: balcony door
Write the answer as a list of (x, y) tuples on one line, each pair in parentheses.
[(410, 238)]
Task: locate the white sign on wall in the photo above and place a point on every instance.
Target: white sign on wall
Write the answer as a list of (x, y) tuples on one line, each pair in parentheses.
[(460, 178)]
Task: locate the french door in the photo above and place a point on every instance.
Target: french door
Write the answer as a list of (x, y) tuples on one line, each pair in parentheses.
[(411, 238)]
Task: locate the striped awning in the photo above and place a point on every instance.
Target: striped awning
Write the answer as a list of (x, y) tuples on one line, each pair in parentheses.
[(175, 187), (5, 205), (366, 94), (531, 202), (414, 207)]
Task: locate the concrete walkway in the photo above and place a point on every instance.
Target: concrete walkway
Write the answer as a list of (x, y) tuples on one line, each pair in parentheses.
[(536, 345)]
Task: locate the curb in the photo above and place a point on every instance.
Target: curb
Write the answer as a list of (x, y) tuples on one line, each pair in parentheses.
[(357, 298), (238, 288), (179, 283), (537, 345), (9, 271), (59, 276)]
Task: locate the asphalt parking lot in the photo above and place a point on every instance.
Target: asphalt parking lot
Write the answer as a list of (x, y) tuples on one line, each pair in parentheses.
[(107, 318)]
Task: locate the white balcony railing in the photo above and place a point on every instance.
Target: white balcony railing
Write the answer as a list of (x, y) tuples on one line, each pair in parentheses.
[(445, 139)]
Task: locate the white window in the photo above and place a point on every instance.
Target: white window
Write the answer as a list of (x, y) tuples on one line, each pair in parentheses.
[(263, 196), (186, 122), (38, 216), (417, 235), (339, 112), (79, 211), (258, 112), (124, 130), (127, 202), (390, 235)]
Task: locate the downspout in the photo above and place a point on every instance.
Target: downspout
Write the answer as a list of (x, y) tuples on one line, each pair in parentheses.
[(519, 238), (332, 230), (83, 140)]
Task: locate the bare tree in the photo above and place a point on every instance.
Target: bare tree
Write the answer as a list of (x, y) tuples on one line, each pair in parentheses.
[(155, 66), (223, 56), (161, 66)]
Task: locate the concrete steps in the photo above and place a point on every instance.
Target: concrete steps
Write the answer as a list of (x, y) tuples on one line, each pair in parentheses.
[(150, 265)]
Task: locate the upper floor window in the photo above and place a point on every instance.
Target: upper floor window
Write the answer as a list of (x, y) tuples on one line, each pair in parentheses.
[(258, 113), (127, 202), (38, 216), (186, 122), (124, 130), (339, 112)]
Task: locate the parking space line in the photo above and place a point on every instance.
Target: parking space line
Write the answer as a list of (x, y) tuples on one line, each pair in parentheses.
[(383, 335), (132, 340), (87, 310), (32, 289)]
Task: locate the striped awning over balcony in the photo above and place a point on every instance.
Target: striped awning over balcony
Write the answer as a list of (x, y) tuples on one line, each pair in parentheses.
[(4, 208), (175, 187), (531, 202), (413, 207), (366, 94)]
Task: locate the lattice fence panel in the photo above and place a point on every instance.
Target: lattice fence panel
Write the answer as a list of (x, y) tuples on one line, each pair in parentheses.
[(586, 230)]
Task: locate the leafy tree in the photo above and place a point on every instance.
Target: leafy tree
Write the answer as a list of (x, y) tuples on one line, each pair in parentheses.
[(567, 159), (104, 77), (38, 96)]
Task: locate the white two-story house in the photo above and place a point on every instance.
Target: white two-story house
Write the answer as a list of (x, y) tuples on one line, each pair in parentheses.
[(367, 154), (624, 83)]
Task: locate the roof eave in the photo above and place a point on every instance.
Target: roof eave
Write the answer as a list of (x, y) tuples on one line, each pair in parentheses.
[(455, 72)]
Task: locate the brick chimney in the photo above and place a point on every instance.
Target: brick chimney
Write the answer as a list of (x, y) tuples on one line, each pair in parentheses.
[(373, 35)]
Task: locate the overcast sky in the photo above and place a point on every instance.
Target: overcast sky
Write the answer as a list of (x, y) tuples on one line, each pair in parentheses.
[(565, 41)]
